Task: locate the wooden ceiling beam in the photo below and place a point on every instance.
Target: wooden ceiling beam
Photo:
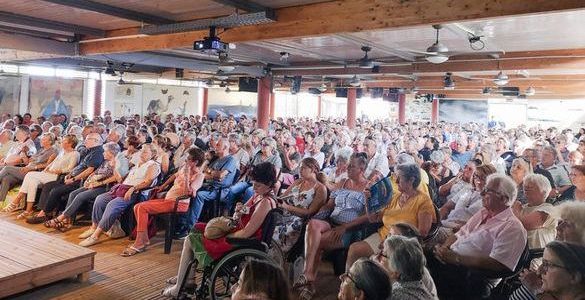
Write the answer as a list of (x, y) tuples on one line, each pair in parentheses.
[(345, 16)]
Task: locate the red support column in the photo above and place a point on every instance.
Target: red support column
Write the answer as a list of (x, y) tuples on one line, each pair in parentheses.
[(351, 107), (264, 91), (435, 111), (205, 101), (272, 105), (402, 108), (319, 101), (97, 104)]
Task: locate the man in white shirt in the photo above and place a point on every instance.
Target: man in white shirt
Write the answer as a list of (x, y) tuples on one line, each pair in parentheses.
[(492, 241)]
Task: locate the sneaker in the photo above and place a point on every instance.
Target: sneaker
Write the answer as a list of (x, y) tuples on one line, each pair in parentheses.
[(90, 241), (116, 231), (86, 233)]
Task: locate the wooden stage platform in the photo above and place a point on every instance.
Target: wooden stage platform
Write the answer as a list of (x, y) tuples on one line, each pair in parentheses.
[(29, 259)]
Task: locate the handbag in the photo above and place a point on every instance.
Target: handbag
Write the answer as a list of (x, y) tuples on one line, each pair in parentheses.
[(219, 227), (119, 190)]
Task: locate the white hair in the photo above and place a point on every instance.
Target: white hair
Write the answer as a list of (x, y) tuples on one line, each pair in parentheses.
[(540, 181), (505, 186), (343, 154), (574, 212)]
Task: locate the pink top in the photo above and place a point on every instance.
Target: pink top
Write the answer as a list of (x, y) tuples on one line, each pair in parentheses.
[(183, 184), (501, 237)]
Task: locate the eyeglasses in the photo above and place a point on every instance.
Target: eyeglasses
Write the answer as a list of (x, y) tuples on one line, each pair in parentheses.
[(348, 276), (547, 264), (486, 190)]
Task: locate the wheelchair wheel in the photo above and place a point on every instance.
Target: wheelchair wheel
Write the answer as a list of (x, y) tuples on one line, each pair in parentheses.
[(276, 254), (227, 271)]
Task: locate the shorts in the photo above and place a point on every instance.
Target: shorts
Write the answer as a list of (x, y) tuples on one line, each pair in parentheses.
[(374, 241)]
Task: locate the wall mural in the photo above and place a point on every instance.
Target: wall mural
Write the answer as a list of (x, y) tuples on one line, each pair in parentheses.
[(125, 98), (49, 96), (168, 100), (9, 94)]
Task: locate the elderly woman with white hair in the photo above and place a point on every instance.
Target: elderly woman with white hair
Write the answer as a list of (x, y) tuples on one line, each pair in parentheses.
[(571, 229), (403, 259), (493, 240), (519, 171), (339, 172), (536, 215)]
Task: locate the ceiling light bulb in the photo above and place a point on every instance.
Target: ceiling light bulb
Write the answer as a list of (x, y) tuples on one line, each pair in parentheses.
[(355, 81), (227, 89), (530, 91), (437, 58), (322, 88)]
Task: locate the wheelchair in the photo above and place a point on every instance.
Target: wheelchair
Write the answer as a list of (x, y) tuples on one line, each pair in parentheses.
[(218, 278)]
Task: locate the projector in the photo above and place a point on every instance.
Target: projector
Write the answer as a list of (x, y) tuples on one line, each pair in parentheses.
[(211, 45)]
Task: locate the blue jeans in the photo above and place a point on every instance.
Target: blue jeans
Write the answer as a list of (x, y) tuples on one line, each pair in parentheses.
[(241, 189), (107, 209), (79, 197)]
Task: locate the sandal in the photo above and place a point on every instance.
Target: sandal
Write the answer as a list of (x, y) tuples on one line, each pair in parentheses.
[(307, 292), (301, 282), (57, 224), (11, 207), (131, 251), (23, 215)]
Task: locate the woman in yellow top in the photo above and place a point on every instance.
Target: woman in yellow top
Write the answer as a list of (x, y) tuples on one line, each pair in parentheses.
[(408, 205)]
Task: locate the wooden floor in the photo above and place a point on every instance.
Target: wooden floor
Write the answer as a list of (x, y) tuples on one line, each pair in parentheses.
[(139, 277)]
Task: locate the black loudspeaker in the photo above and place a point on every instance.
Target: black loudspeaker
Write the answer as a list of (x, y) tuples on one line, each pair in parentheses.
[(179, 73), (314, 91), (296, 85), (377, 92), (510, 91), (248, 84), (341, 92)]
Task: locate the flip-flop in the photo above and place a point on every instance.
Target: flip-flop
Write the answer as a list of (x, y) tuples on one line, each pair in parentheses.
[(131, 251)]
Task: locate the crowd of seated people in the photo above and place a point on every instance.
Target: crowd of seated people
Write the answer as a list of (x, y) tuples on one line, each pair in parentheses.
[(468, 200)]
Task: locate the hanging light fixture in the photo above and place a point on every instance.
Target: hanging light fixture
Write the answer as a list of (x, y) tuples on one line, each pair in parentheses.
[(355, 81), (501, 79), (530, 91), (437, 51)]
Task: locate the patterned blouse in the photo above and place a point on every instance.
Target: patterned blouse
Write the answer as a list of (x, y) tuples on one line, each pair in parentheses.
[(349, 205)]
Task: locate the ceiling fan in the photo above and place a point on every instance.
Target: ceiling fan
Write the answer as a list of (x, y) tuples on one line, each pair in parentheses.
[(438, 52)]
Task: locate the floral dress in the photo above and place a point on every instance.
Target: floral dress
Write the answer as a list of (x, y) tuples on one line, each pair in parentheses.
[(288, 231)]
